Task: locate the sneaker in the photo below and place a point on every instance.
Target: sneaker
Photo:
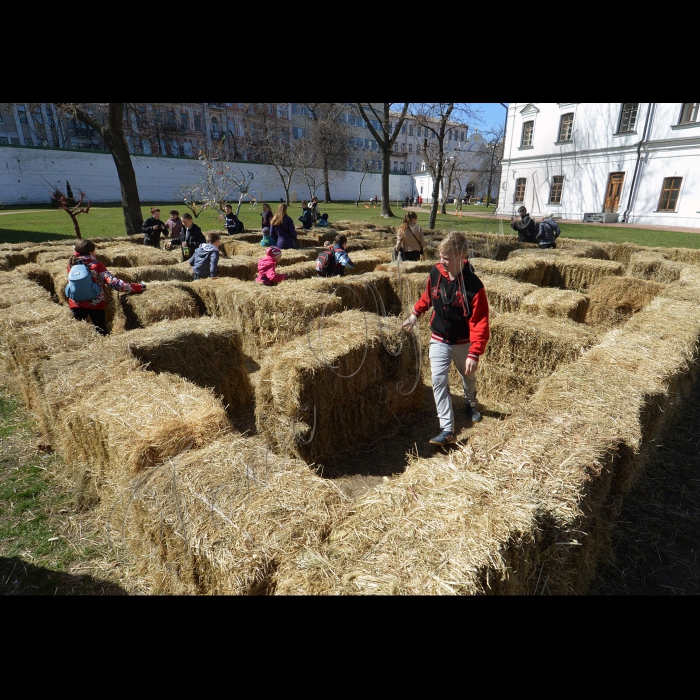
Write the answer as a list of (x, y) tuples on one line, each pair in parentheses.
[(472, 412), (444, 438)]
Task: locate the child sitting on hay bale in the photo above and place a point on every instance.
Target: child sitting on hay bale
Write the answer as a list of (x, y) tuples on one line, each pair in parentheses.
[(323, 221), (266, 268), (460, 329), (205, 261), (96, 308), (266, 238)]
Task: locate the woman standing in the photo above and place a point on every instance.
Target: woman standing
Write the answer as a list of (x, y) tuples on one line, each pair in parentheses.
[(410, 240), (96, 308), (282, 229)]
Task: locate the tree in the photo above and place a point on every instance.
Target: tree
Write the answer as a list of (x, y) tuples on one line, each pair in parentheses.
[(385, 137), (107, 119), (438, 120), (328, 139), (366, 168), (63, 202)]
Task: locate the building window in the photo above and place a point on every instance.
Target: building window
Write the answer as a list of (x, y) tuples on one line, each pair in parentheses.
[(418, 132), (184, 120), (566, 124), (669, 193), (555, 191), (689, 112), (520, 189), (197, 122), (4, 139), (410, 129), (38, 116), (408, 168), (22, 114), (628, 117), (528, 129)]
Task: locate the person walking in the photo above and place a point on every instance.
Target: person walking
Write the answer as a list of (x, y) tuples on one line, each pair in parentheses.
[(526, 227), (410, 240), (459, 330), (152, 229), (96, 308), (548, 232), (282, 229)]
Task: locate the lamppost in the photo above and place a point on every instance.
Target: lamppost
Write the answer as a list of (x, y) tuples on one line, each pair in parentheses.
[(493, 154)]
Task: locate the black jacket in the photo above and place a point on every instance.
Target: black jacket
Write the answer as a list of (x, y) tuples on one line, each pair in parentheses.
[(526, 228), (152, 233), (192, 236), (306, 219), (233, 223)]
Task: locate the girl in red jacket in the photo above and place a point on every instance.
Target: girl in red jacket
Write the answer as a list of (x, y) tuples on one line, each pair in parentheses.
[(460, 329), (96, 308), (267, 265)]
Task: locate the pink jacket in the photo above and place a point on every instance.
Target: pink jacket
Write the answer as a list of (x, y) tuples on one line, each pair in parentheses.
[(266, 271)]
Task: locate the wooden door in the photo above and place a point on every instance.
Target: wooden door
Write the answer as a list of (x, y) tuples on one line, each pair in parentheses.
[(612, 194)]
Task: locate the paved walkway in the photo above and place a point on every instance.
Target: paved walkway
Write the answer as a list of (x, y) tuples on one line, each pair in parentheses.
[(487, 214)]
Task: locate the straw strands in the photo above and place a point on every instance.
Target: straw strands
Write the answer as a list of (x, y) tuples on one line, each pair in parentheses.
[(159, 302), (556, 302), (220, 520), (653, 266), (350, 364), (613, 300), (207, 351), (130, 255)]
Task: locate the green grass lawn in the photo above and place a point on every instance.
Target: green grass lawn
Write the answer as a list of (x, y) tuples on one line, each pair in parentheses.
[(43, 223)]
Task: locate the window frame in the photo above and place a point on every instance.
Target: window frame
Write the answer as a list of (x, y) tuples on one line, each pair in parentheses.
[(670, 190), (631, 125), (569, 136), (520, 186), (556, 189), (690, 107), (531, 122)]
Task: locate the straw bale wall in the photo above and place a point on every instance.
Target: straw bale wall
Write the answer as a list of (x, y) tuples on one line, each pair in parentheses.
[(219, 520), (130, 255), (372, 292), (181, 271), (16, 288), (265, 316), (613, 300), (556, 302), (578, 274), (654, 266), (352, 364), (161, 301), (207, 351)]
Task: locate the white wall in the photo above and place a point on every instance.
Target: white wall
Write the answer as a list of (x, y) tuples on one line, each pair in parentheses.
[(595, 151), (28, 175)]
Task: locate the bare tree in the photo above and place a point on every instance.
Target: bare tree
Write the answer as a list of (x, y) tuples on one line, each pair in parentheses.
[(73, 209), (328, 139), (366, 168), (385, 137), (438, 120), (107, 119)]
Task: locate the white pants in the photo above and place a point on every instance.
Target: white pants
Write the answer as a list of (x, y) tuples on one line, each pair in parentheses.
[(441, 357)]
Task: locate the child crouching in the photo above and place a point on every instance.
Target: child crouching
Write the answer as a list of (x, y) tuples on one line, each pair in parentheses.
[(266, 267)]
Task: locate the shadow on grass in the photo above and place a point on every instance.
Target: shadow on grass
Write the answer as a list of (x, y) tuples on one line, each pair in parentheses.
[(18, 577), (15, 236)]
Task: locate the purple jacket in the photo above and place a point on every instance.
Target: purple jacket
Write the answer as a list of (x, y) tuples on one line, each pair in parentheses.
[(285, 234)]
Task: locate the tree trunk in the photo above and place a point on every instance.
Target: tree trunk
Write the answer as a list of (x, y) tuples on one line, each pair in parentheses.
[(133, 219), (386, 164), (436, 196), (326, 184)]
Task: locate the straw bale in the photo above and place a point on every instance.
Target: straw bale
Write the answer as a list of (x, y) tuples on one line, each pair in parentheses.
[(367, 260), (556, 302), (207, 351), (161, 301), (230, 247), (37, 310), (688, 286), (620, 252), (301, 270), (55, 253), (407, 267), (154, 273), (371, 292), (16, 288), (408, 287), (241, 267), (529, 269), (265, 316), (129, 255), (456, 524), (591, 251), (220, 520), (350, 364), (139, 418), (38, 274), (682, 255), (614, 299), (504, 294), (579, 274), (12, 259), (653, 266)]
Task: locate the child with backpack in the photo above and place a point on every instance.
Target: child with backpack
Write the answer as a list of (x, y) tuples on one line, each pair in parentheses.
[(548, 232), (205, 261), (87, 278), (333, 260), (323, 221), (267, 274)]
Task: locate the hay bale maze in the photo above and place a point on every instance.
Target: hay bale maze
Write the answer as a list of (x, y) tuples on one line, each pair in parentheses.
[(247, 440)]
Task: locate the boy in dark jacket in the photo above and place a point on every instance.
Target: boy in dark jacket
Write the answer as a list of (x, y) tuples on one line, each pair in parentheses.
[(306, 217), (153, 227), (526, 227), (205, 261), (231, 221), (190, 239)]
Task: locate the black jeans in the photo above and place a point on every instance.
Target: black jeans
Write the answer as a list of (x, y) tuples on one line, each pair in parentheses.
[(410, 255), (97, 316)]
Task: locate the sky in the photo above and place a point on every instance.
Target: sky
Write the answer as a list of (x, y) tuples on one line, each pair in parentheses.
[(493, 114)]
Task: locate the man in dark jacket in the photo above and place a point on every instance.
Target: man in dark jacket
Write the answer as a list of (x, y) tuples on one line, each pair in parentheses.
[(232, 222), (153, 227), (190, 239), (526, 227)]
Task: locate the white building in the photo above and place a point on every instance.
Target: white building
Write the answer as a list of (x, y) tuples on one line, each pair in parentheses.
[(637, 162)]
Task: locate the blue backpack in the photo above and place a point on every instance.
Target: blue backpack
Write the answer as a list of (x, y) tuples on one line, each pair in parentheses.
[(80, 285)]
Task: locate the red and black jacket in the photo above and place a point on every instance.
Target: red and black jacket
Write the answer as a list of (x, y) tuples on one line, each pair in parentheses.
[(460, 308)]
